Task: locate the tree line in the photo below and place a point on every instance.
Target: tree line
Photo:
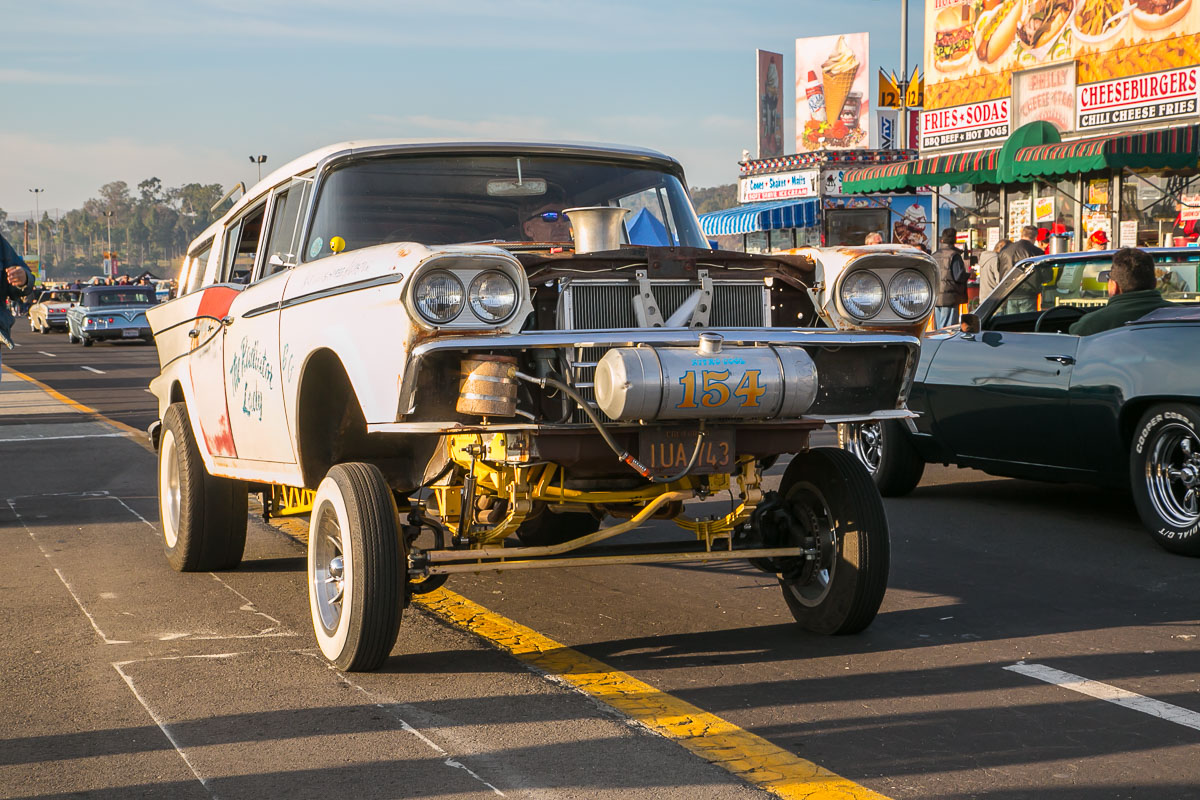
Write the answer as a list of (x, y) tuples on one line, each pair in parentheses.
[(149, 229)]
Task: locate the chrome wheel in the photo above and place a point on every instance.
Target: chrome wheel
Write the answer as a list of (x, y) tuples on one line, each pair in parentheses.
[(168, 487), (1173, 475), (865, 441), (329, 569)]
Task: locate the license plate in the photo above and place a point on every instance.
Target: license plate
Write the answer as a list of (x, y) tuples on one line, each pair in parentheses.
[(130, 333), (667, 452)]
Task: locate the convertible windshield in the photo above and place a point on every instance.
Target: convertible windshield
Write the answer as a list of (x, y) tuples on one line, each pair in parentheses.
[(453, 199)]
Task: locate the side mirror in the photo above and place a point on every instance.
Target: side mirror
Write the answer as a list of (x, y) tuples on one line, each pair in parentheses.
[(970, 323)]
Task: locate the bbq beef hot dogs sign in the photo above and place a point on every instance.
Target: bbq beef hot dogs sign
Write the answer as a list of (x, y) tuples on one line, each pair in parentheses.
[(977, 123)]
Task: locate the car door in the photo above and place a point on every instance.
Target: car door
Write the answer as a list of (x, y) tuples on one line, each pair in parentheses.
[(253, 392), (1003, 396)]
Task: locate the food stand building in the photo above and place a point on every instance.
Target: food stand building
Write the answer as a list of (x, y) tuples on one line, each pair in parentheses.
[(797, 200), (1083, 114)]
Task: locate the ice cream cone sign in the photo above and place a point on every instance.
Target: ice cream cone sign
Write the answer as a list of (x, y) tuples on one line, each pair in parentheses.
[(837, 75)]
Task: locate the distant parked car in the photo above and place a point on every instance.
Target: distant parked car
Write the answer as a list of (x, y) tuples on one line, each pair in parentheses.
[(1014, 393), (49, 309), (111, 312)]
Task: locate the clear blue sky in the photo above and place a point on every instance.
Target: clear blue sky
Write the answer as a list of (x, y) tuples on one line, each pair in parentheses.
[(186, 90)]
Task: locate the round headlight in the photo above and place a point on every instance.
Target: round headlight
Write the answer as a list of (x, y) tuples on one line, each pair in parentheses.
[(493, 296), (909, 293), (862, 294), (439, 296)]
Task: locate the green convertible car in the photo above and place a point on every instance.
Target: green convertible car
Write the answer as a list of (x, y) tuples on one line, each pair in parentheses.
[(1013, 394)]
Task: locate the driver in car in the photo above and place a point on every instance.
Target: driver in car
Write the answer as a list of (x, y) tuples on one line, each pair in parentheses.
[(547, 224), (1132, 292)]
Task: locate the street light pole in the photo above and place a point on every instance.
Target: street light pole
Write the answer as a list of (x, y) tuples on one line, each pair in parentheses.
[(259, 160), (37, 216), (902, 127), (108, 215)]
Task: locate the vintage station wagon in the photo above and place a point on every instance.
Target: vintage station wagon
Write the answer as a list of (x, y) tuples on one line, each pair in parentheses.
[(476, 352)]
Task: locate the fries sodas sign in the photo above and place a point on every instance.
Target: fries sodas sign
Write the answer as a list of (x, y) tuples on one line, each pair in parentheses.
[(976, 123)]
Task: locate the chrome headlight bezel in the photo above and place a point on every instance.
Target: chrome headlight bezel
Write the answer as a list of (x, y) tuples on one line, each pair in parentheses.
[(852, 281), (423, 280), (893, 292), (475, 295)]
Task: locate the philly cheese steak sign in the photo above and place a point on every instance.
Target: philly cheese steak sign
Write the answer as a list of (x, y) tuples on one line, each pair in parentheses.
[(977, 123), (1138, 99)]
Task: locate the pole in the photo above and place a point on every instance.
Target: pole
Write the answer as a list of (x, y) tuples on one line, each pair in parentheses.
[(902, 126), (37, 220), (108, 220)]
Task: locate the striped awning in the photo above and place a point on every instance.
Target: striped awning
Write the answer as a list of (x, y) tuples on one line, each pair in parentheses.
[(877, 178), (1172, 148), (753, 217), (976, 167)]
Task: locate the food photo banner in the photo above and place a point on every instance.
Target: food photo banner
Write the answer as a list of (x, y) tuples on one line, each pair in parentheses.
[(974, 48), (770, 103), (833, 90)]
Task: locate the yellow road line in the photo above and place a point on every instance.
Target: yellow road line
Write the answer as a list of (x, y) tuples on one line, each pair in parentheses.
[(138, 436), (717, 741)]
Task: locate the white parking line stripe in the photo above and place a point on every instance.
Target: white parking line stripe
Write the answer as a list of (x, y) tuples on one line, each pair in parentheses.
[(52, 355), (1109, 694), (166, 731), (56, 438), (93, 369)]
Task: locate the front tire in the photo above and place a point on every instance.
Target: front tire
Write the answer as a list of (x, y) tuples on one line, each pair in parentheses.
[(203, 517), (837, 510), (885, 450), (1164, 475), (356, 568)]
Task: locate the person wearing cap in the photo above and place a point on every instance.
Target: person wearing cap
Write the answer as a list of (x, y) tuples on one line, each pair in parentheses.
[(952, 280), (1023, 297), (1098, 240), (1043, 238)]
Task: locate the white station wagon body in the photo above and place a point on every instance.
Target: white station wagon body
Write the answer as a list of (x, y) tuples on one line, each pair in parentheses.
[(529, 332)]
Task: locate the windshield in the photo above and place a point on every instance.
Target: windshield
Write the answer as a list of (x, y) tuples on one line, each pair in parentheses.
[(1084, 283), (453, 199), (59, 297)]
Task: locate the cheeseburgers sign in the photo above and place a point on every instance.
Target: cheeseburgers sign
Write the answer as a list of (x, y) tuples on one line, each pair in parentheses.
[(1135, 63)]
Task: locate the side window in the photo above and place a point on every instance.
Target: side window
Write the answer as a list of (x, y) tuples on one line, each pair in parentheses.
[(281, 246), (193, 268), (241, 245)]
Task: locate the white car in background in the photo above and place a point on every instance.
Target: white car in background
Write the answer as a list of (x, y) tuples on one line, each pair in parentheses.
[(458, 343)]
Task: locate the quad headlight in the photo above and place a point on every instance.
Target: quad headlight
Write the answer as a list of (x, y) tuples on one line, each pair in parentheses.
[(439, 296), (493, 296), (862, 294), (909, 293)]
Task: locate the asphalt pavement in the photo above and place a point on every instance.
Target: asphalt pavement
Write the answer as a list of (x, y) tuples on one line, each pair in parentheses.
[(1034, 643)]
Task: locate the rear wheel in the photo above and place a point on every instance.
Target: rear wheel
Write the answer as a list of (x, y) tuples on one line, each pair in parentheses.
[(87, 340), (828, 505), (1164, 473), (885, 450), (203, 517), (356, 567)]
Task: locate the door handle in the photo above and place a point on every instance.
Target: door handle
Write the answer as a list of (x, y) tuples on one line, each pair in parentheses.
[(1066, 361)]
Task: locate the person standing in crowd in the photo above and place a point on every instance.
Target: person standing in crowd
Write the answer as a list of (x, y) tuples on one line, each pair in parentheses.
[(1132, 293), (874, 237), (1023, 297), (952, 280), (16, 281), (1098, 240), (989, 269)]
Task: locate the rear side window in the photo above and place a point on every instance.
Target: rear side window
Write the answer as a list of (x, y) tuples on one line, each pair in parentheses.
[(192, 275), (241, 245)]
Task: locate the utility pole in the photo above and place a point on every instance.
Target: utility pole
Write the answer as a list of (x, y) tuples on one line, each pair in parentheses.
[(902, 124), (259, 161), (108, 215), (37, 216)]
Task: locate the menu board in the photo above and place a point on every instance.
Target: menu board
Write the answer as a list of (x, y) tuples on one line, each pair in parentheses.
[(973, 48)]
